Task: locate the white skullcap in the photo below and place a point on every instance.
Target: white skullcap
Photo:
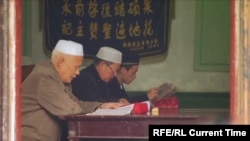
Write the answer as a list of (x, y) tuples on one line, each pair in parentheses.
[(69, 47), (109, 54)]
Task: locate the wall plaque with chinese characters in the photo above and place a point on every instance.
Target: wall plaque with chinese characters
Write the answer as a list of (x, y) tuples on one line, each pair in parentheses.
[(141, 26)]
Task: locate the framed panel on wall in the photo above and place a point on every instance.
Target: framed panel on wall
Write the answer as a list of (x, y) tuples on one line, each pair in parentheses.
[(212, 39)]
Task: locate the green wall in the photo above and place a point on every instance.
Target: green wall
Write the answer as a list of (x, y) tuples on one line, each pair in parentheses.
[(198, 100)]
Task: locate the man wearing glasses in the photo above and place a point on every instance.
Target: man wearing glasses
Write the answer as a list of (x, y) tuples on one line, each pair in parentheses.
[(92, 83), (47, 94)]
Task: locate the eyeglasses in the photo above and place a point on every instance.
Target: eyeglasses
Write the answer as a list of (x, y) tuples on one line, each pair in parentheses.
[(114, 72)]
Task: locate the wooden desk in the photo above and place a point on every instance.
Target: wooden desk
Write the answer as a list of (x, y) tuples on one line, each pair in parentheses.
[(134, 126)]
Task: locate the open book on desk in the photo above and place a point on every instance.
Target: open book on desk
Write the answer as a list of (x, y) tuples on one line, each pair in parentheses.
[(124, 110)]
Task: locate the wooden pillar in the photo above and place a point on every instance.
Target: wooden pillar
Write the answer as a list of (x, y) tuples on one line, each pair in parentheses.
[(18, 63), (233, 65), (1, 66), (11, 51), (244, 100), (240, 62)]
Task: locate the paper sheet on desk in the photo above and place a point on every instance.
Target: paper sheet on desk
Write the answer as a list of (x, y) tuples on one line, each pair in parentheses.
[(125, 110)]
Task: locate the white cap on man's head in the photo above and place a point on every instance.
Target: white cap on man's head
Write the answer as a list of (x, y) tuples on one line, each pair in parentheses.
[(109, 54), (69, 47)]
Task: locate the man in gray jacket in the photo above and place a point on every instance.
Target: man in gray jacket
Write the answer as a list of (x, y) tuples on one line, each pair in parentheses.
[(47, 94)]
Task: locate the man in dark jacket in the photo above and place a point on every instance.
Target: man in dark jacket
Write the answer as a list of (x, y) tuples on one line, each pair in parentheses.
[(125, 75), (91, 84)]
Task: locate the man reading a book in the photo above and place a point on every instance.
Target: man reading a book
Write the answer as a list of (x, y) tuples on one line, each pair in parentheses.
[(91, 84), (125, 75)]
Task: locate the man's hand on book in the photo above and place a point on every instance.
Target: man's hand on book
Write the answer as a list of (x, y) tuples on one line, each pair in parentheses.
[(164, 91), (152, 93), (124, 101), (110, 105)]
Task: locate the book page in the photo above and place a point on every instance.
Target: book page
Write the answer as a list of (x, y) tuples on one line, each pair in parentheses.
[(124, 110)]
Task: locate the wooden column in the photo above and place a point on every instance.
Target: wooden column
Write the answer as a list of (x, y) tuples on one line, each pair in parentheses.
[(18, 63), (11, 51), (233, 65), (244, 96), (1, 66), (240, 62)]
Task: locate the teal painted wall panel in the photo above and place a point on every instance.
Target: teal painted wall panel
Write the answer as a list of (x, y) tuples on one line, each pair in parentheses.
[(212, 50)]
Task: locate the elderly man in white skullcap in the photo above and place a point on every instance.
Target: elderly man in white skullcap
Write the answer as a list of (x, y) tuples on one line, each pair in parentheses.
[(47, 93), (91, 84)]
